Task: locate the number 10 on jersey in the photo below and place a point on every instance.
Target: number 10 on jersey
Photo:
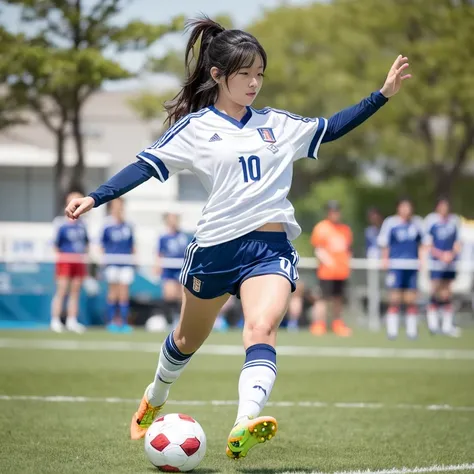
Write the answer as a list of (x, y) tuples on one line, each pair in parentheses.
[(250, 168)]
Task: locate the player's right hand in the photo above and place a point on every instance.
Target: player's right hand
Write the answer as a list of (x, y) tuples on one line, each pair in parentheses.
[(79, 206)]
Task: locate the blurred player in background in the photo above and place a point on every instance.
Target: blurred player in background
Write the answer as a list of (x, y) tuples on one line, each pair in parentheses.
[(71, 244), (172, 244), (118, 248), (244, 157), (332, 242), (442, 238), (400, 239), (375, 219), (295, 307)]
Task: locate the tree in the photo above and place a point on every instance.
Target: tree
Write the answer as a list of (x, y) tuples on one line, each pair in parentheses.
[(318, 70), (59, 62)]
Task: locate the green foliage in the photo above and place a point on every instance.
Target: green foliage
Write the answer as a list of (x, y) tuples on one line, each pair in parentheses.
[(316, 71), (59, 59)]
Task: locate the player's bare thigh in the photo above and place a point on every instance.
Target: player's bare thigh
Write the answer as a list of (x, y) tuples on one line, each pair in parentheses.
[(196, 320), (265, 300), (172, 290)]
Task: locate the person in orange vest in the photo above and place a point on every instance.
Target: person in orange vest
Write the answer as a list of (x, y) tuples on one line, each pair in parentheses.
[(332, 242)]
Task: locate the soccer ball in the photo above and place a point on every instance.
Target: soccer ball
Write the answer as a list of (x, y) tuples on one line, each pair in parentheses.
[(175, 443)]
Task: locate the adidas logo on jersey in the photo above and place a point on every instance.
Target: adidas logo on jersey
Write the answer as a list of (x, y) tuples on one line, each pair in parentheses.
[(215, 138)]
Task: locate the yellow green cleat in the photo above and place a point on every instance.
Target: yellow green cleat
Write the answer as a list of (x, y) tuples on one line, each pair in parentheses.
[(246, 434)]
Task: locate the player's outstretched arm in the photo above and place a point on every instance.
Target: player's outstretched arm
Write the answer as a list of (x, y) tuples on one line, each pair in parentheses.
[(348, 119), (124, 181)]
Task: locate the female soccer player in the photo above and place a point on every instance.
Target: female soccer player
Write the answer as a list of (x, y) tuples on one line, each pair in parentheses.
[(442, 238), (117, 241), (71, 244), (244, 158), (172, 244), (400, 238)]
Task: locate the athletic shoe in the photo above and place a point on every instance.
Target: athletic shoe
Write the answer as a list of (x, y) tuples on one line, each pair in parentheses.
[(340, 329), (248, 433), (318, 328), (56, 326), (73, 326), (143, 417)]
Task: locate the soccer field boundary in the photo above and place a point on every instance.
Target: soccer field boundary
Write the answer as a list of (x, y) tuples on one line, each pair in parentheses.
[(218, 403), (403, 470), (236, 350)]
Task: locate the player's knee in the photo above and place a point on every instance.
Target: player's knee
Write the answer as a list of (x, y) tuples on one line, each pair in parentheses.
[(259, 331)]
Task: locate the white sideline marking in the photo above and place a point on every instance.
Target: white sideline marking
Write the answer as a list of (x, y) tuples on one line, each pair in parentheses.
[(235, 350), (403, 470), (307, 404)]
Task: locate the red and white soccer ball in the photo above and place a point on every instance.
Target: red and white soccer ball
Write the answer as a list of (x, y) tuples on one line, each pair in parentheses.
[(175, 443)]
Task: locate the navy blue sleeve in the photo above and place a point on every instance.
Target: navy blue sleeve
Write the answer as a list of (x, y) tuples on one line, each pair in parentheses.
[(348, 119), (124, 181)]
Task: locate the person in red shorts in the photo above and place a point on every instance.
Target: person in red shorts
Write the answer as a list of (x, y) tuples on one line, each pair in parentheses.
[(71, 244)]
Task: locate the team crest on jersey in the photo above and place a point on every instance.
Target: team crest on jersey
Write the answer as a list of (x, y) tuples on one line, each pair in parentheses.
[(267, 135), (197, 284)]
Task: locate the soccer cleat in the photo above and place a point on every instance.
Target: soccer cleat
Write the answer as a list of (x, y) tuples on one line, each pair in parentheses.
[(73, 326), (248, 433), (125, 329), (56, 326), (452, 332), (340, 329), (143, 417), (112, 327), (318, 328)]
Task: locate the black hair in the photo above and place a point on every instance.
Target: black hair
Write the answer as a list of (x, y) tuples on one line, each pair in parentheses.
[(404, 199), (374, 210), (227, 50), (441, 199)]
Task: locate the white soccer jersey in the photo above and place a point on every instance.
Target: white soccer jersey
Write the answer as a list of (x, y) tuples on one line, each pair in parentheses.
[(246, 166)]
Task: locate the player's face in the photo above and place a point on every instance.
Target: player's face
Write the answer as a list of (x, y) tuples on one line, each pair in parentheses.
[(405, 209), (172, 221), (443, 208), (243, 87), (374, 218), (334, 215), (117, 209)]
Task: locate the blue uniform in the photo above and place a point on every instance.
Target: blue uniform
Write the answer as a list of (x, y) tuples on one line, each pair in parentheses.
[(209, 272), (172, 246), (371, 247), (442, 234), (70, 237), (117, 239), (403, 239)]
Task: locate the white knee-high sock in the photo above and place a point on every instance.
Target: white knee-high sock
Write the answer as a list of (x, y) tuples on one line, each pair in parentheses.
[(170, 366), (256, 380), (392, 321), (411, 322)]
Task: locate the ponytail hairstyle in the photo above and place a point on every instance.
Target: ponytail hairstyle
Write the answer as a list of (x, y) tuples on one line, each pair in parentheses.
[(227, 50)]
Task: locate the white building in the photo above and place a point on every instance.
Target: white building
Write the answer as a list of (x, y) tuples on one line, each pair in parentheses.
[(114, 134)]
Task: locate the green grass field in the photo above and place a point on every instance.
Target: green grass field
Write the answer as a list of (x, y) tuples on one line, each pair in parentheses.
[(408, 404)]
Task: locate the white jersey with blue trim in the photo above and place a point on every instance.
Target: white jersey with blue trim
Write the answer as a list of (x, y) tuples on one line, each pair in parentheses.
[(246, 166)]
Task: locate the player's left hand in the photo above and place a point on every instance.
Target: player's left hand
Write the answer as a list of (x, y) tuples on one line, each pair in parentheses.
[(395, 77)]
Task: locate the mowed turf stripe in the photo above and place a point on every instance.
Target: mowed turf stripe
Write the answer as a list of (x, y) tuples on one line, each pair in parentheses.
[(235, 350), (403, 470), (303, 404)]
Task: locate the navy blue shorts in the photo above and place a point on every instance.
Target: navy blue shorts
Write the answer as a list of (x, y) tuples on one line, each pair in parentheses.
[(209, 272), (443, 275), (170, 274), (402, 279)]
